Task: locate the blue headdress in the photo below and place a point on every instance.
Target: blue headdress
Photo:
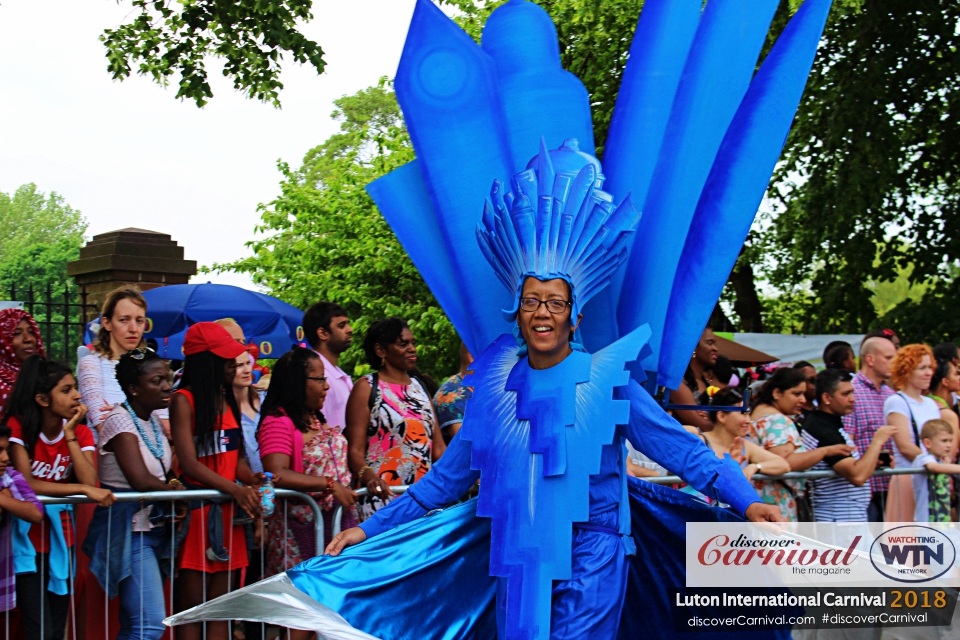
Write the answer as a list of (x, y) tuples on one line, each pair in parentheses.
[(556, 223)]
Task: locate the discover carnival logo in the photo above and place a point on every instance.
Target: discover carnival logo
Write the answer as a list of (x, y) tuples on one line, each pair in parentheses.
[(821, 554), (913, 554)]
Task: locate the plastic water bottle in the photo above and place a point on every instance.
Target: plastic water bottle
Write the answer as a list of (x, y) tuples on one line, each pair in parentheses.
[(268, 496)]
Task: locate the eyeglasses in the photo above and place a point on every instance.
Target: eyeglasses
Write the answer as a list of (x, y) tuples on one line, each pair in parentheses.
[(140, 352), (321, 379), (553, 306)]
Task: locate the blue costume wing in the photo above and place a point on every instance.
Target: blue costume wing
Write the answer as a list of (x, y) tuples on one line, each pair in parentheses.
[(657, 571)]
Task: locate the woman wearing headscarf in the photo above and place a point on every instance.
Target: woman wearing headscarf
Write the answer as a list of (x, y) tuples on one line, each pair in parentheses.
[(19, 339)]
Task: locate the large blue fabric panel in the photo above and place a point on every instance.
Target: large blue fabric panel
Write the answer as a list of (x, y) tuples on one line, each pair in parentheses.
[(399, 194), (736, 186), (538, 96), (716, 76), (659, 519), (658, 53), (426, 580), (447, 89)]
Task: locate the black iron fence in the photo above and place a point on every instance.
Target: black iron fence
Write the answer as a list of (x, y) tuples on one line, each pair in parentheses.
[(61, 313)]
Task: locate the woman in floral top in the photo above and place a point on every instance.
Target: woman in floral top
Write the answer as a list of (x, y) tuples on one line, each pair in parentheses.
[(303, 454), (781, 397), (391, 422)]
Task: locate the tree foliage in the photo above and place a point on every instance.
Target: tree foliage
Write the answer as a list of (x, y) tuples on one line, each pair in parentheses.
[(870, 180), (39, 234), (327, 241), (166, 38)]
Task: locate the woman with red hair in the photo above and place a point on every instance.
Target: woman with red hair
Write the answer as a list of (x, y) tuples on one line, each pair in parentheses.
[(19, 339), (908, 410)]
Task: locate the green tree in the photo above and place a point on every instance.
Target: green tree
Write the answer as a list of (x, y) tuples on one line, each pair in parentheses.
[(166, 38), (870, 180), (39, 234), (327, 241)]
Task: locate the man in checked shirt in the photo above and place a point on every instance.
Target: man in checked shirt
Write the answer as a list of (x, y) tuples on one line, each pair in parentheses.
[(870, 391)]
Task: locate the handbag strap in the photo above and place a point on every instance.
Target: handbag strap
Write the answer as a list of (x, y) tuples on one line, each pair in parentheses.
[(913, 421)]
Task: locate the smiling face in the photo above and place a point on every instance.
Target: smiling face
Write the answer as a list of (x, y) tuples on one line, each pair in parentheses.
[(63, 400), (153, 388), (126, 326), (735, 422), (317, 385), (24, 341), (401, 354), (547, 334)]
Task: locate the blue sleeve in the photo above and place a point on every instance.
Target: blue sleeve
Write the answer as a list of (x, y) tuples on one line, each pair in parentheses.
[(652, 431), (448, 479)]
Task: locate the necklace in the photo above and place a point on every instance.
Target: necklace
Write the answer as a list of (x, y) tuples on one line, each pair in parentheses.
[(155, 448)]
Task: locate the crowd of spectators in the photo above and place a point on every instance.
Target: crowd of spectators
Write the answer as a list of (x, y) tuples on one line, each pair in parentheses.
[(126, 423), (897, 408)]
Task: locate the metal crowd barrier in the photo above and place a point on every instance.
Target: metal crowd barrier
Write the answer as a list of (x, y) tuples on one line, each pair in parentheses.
[(361, 493), (337, 518), (796, 475), (199, 494), (90, 620)]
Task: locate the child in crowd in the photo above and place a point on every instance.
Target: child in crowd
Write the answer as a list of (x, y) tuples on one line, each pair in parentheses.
[(55, 453), (937, 437), (16, 499)]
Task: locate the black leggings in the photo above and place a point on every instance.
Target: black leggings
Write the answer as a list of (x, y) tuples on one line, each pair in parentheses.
[(36, 604)]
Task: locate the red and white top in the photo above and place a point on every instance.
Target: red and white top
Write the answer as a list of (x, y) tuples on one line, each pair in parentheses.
[(51, 461)]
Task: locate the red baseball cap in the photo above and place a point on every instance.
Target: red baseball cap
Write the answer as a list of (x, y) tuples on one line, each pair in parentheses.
[(210, 336)]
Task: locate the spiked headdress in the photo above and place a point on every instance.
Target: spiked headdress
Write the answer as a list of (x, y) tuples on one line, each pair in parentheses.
[(556, 223)]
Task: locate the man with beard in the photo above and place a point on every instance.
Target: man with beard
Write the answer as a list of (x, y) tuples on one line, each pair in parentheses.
[(328, 332)]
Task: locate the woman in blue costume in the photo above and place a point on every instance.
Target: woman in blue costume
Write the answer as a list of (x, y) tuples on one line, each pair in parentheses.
[(542, 552), (544, 430)]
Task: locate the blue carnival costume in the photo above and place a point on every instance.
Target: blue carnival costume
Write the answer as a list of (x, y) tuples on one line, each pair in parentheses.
[(694, 138), (547, 445)]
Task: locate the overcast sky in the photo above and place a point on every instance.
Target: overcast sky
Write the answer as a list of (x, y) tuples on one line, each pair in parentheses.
[(130, 155)]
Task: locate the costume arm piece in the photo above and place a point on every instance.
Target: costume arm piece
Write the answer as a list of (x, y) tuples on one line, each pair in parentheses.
[(448, 479), (662, 438)]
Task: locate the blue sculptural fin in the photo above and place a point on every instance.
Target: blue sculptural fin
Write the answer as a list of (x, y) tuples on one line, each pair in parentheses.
[(736, 185)]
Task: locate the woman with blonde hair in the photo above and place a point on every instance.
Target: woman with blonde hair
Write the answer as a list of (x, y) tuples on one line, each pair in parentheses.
[(122, 323), (910, 373)]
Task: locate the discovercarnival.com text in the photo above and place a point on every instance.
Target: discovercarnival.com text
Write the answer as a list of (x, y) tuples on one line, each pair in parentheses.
[(709, 609), (808, 621)]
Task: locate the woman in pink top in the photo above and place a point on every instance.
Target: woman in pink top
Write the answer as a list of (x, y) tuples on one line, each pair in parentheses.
[(303, 454)]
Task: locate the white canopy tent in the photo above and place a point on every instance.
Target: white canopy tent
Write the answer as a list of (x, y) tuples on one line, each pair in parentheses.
[(793, 348)]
